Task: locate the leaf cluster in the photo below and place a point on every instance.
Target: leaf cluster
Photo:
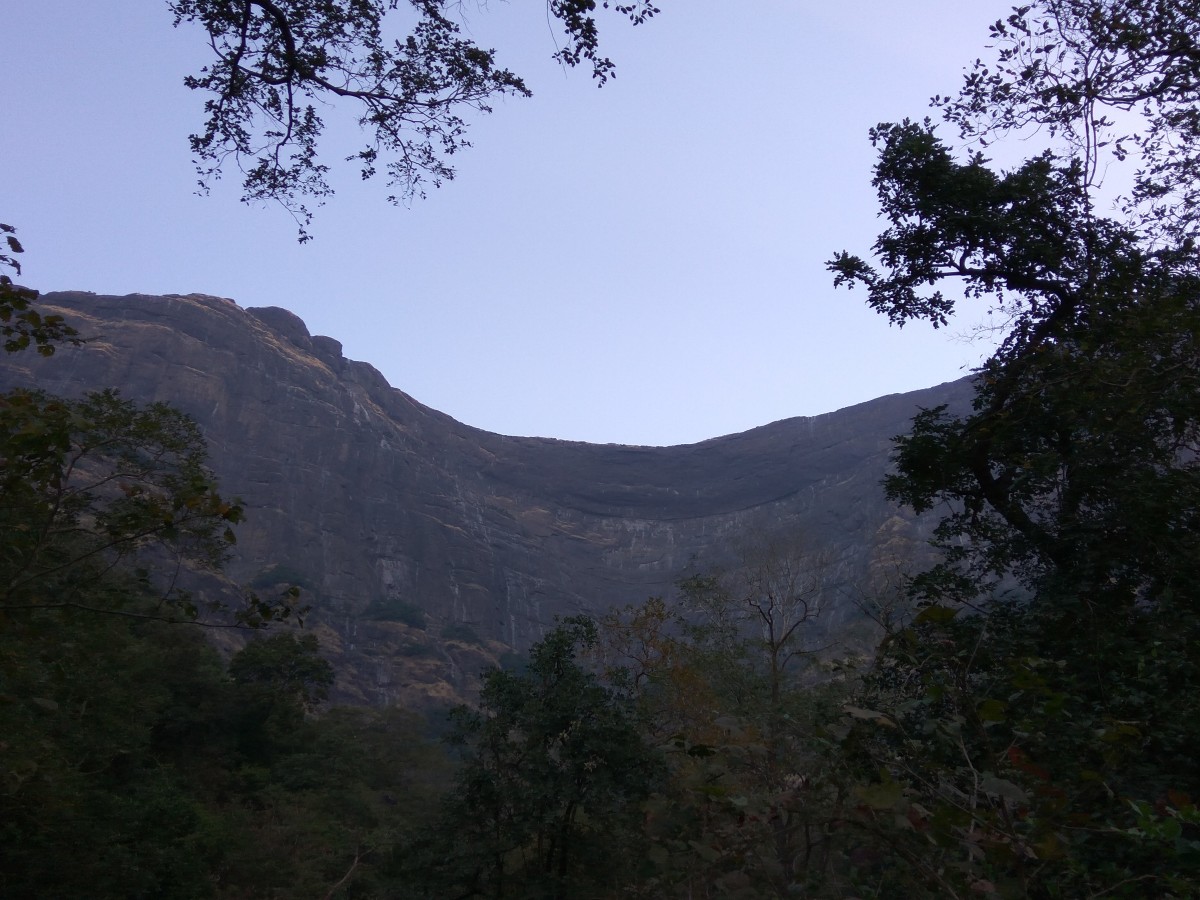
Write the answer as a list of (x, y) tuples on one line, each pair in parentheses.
[(133, 751), (278, 61), (1107, 80), (549, 796), (21, 324), (100, 486), (1034, 746)]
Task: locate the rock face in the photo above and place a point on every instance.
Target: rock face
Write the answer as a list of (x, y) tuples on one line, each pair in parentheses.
[(384, 509)]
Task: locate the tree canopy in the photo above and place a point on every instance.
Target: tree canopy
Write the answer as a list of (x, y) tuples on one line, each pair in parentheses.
[(1038, 737), (1087, 411), (277, 61), (22, 325), (547, 802)]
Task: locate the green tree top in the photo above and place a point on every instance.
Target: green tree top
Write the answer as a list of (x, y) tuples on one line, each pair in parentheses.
[(100, 486), (549, 797)]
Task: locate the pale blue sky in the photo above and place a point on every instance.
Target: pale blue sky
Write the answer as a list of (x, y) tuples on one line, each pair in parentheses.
[(637, 264)]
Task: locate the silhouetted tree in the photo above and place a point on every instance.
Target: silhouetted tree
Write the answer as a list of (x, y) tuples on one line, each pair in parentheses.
[(277, 61), (1041, 738)]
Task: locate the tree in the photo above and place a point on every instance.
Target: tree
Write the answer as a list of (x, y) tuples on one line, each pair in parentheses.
[(1079, 458), (21, 324), (1111, 81), (97, 487), (106, 509), (1085, 415), (127, 746), (82, 774), (1039, 739), (121, 733), (729, 686), (91, 487), (284, 666), (771, 603), (132, 750), (277, 59), (549, 800)]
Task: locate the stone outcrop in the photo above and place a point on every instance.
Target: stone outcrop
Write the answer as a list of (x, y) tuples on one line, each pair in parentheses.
[(394, 516)]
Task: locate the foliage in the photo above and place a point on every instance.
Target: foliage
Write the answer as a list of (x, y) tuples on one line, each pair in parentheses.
[(277, 60), (80, 778), (1035, 747), (549, 799), (394, 609), (765, 611), (460, 631), (121, 732), (284, 665), (20, 323), (125, 745), (130, 750), (729, 687), (1028, 732), (1113, 81), (92, 486), (1013, 753), (1085, 417)]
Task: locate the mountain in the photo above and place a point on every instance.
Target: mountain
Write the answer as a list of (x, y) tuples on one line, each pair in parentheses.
[(401, 523)]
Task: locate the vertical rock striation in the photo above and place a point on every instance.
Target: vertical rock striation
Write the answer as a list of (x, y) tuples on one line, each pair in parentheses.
[(384, 509)]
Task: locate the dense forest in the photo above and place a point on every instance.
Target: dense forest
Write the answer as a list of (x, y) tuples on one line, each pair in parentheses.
[(1026, 727)]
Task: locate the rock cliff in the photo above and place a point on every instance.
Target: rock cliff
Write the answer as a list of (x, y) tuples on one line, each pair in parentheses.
[(400, 521)]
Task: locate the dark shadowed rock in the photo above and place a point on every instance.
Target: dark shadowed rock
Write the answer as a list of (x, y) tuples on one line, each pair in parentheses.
[(384, 509)]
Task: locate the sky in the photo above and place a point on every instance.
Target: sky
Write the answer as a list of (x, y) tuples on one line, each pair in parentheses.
[(638, 264)]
